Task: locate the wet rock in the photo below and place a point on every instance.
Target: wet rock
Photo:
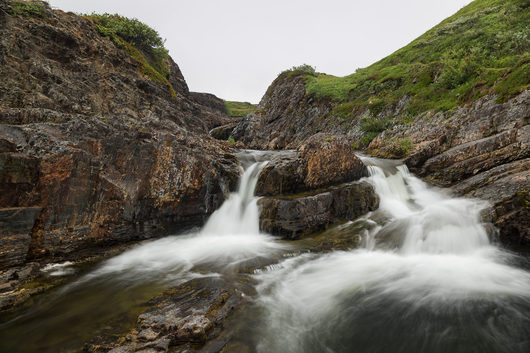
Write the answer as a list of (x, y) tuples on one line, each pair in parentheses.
[(321, 162), (16, 224), (297, 215), (192, 313)]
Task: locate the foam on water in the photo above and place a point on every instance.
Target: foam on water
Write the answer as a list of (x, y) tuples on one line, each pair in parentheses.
[(431, 259)]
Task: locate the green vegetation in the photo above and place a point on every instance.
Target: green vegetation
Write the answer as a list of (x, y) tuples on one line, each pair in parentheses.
[(303, 69), (140, 41), (484, 48), (27, 9), (231, 140), (372, 127), (239, 108)]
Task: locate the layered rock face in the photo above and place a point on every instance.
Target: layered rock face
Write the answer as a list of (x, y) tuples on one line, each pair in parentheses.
[(480, 150), (92, 151), (285, 117), (312, 188)]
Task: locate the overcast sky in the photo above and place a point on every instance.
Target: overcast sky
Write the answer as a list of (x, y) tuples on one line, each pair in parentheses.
[(235, 48)]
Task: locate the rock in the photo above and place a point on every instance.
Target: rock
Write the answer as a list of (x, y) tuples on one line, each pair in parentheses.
[(285, 117), (16, 224), (330, 161), (222, 132), (19, 174), (92, 151), (321, 162), (294, 216), (191, 313), (445, 148)]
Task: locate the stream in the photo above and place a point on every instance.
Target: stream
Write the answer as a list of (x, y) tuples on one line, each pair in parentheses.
[(428, 278)]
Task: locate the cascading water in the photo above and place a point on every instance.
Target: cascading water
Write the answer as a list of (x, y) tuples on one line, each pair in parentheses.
[(116, 290), (230, 236), (428, 281)]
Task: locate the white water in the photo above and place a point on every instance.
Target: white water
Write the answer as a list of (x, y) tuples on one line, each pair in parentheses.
[(430, 263), (230, 237)]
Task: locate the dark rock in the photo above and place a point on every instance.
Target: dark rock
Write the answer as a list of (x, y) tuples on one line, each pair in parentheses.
[(105, 154), (15, 234), (285, 117), (292, 217), (210, 101), (321, 162), (191, 313), (222, 132)]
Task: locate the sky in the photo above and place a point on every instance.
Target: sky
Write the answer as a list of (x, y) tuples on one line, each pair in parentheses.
[(236, 48)]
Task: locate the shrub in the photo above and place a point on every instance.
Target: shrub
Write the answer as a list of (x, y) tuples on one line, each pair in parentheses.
[(303, 69), (140, 41), (371, 128), (132, 31), (27, 9)]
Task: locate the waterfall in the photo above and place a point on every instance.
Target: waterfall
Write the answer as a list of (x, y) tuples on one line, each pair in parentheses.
[(239, 214), (230, 237), (428, 281), (425, 219)]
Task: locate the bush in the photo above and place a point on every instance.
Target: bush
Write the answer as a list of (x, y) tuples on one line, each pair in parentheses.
[(27, 9), (303, 69), (371, 128), (140, 41), (132, 31)]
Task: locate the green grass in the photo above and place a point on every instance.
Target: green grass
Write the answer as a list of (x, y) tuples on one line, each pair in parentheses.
[(27, 9), (237, 109), (484, 48), (140, 41)]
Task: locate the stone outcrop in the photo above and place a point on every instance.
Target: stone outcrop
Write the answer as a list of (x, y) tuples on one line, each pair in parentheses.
[(473, 149), (92, 152), (285, 117), (188, 317), (313, 188), (298, 215), (319, 163)]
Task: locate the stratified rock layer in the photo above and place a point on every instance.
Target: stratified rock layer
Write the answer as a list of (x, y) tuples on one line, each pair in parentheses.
[(313, 188), (92, 151), (480, 150)]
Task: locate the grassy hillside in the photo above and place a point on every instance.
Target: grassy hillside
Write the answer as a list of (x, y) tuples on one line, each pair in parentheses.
[(140, 41), (237, 109), (483, 48)]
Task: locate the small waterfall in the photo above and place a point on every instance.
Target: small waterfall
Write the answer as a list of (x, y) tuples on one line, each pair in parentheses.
[(428, 281), (239, 214), (230, 237), (423, 219)]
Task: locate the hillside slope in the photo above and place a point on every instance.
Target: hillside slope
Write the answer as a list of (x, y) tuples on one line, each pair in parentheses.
[(454, 102), (95, 146)]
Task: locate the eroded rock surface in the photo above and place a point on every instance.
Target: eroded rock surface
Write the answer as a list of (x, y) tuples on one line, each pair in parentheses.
[(191, 314), (93, 152), (313, 188), (468, 146)]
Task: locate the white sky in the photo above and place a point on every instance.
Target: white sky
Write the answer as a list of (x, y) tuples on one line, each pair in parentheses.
[(236, 48)]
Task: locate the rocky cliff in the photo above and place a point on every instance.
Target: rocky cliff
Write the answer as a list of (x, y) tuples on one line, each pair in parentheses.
[(457, 115), (92, 149)]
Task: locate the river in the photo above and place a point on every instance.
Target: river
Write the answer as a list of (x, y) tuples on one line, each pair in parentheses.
[(428, 278)]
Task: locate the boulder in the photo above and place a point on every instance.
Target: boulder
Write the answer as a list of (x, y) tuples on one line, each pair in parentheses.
[(320, 162), (295, 216)]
